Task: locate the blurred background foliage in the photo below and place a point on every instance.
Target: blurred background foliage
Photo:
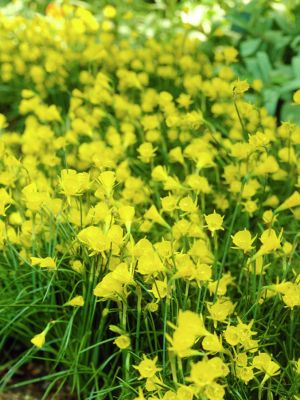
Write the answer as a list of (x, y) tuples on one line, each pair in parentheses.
[(265, 32)]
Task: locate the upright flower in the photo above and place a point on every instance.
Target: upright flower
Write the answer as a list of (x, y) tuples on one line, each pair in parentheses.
[(214, 222), (243, 240), (147, 367)]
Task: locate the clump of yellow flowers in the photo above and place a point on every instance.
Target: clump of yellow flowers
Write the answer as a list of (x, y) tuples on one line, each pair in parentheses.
[(141, 191)]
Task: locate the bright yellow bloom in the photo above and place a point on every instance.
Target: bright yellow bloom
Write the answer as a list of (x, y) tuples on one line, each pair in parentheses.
[(221, 309), (126, 214), (107, 180), (290, 202), (232, 335), (39, 339), (109, 288), (212, 343), (73, 183), (5, 201), (3, 123), (159, 289), (296, 97), (264, 363), (214, 221), (150, 263), (205, 372), (146, 152), (243, 240), (77, 301), (47, 262), (240, 87), (244, 373), (214, 391), (122, 341), (147, 367), (290, 292), (109, 11), (270, 242), (153, 214), (94, 239)]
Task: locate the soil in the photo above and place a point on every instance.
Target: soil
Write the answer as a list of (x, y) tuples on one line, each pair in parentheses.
[(34, 391)]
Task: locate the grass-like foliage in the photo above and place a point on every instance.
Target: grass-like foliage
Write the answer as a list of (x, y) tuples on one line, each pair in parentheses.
[(149, 215)]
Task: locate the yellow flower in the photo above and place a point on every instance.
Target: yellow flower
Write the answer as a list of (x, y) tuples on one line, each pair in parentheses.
[(202, 272), (192, 323), (214, 391), (122, 274), (189, 326), (214, 221), (107, 180), (159, 289), (182, 342), (230, 54), (221, 309), (297, 364), (152, 307), (232, 335), (122, 341), (212, 343), (244, 373), (153, 214), (126, 214), (159, 173), (204, 372), (146, 152), (47, 262), (291, 296), (264, 363), (94, 239), (5, 201), (296, 97), (147, 367), (40, 339), (270, 242), (185, 393), (73, 183), (77, 301), (240, 87), (109, 288), (149, 264), (188, 205), (243, 240), (77, 266), (3, 123), (257, 85), (109, 11), (140, 396), (34, 199), (269, 217), (193, 120), (292, 201)]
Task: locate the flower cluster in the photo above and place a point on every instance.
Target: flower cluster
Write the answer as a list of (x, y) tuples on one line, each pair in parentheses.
[(140, 188)]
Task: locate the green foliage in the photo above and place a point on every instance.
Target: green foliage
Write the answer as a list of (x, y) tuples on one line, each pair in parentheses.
[(267, 34)]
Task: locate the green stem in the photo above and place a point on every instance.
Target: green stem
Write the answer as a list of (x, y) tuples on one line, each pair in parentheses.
[(228, 238), (240, 119)]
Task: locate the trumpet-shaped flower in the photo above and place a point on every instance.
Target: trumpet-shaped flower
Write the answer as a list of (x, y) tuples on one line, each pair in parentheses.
[(47, 262), (243, 240), (77, 301), (214, 222), (73, 183), (147, 367), (94, 238)]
